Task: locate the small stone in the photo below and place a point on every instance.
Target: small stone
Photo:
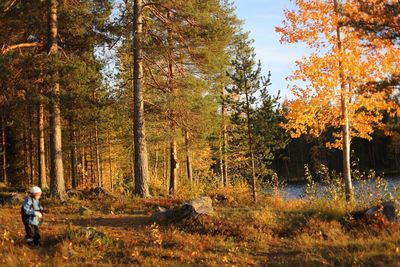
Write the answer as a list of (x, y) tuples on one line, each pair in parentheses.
[(84, 211)]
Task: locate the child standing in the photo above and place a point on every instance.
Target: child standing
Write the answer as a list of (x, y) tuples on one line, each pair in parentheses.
[(31, 213)]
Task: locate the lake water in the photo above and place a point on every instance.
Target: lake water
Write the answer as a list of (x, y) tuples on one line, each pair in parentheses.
[(297, 190)]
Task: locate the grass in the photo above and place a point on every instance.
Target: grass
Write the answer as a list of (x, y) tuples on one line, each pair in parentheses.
[(274, 232)]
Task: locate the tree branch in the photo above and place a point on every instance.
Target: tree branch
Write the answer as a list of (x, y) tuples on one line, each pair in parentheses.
[(10, 5), (10, 48)]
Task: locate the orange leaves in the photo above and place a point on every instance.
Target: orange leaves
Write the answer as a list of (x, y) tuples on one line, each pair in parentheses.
[(306, 24), (341, 70), (307, 117)]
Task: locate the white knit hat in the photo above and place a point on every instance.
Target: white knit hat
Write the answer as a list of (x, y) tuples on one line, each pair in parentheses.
[(36, 190)]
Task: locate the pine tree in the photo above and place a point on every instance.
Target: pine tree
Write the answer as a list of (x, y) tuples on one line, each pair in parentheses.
[(246, 82)]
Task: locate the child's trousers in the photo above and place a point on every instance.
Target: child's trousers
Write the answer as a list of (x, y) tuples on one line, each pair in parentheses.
[(32, 234)]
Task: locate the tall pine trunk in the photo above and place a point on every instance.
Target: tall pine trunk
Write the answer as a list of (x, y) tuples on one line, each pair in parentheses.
[(141, 168), (4, 150), (92, 174), (250, 142), (82, 151), (188, 158), (26, 156), (346, 139), (173, 177), (31, 142), (224, 158), (97, 151), (156, 162), (166, 167), (110, 163), (57, 183), (72, 138)]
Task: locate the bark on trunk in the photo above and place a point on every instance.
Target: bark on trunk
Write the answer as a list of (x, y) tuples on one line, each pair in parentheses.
[(82, 171), (224, 142), (57, 183), (346, 139), (110, 165), (4, 150), (97, 151), (250, 141), (221, 162), (166, 167), (26, 157), (92, 174), (173, 183), (188, 158), (31, 149), (141, 168), (74, 181), (156, 163)]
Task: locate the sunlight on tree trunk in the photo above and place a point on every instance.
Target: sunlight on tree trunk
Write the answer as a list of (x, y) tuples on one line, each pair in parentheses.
[(141, 159)]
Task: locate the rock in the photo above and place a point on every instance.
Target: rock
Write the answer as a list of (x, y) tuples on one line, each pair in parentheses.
[(202, 205), (196, 207), (84, 211), (12, 198), (389, 210)]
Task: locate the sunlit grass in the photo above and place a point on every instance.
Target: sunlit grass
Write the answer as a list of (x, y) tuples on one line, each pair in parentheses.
[(273, 232)]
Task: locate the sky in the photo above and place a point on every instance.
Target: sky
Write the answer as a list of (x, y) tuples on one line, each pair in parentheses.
[(260, 19)]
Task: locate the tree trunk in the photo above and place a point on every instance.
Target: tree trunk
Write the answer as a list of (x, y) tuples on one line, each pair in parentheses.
[(74, 181), (166, 157), (83, 172), (345, 118), (92, 174), (224, 142), (98, 167), (156, 162), (110, 164), (173, 183), (26, 157), (57, 183), (4, 150), (221, 161), (141, 167), (188, 158), (250, 141), (31, 138)]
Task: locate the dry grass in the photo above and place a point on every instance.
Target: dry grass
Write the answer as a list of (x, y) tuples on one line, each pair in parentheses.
[(274, 232)]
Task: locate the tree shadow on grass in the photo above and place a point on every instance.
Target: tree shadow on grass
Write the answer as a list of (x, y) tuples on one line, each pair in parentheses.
[(119, 222)]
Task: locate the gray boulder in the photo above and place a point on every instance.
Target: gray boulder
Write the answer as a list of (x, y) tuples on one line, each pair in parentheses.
[(196, 207), (389, 210)]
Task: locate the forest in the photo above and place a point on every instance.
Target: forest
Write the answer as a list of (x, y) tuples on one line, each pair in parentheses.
[(154, 103), (69, 105)]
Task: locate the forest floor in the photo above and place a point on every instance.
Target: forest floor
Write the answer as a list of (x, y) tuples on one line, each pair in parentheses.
[(273, 232)]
